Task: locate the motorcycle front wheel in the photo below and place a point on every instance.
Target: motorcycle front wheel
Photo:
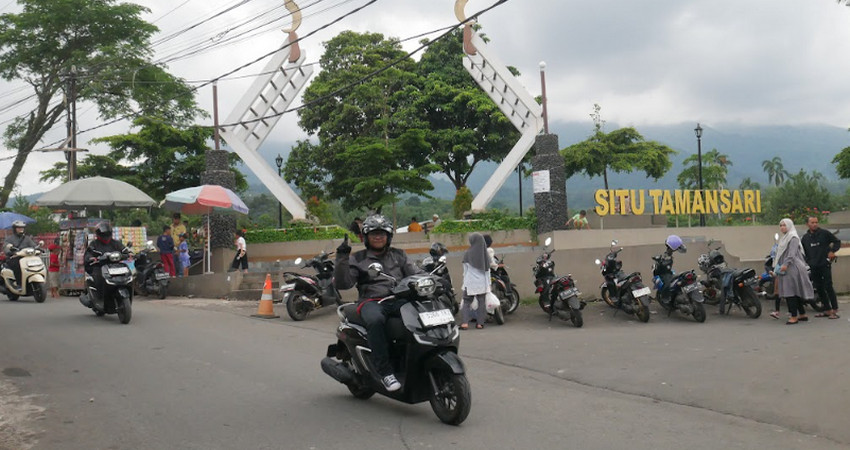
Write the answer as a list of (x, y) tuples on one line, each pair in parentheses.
[(513, 299), (296, 307), (606, 296), (125, 310), (450, 398), (38, 292)]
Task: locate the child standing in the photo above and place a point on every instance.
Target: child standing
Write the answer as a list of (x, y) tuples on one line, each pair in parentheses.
[(183, 254), (53, 269)]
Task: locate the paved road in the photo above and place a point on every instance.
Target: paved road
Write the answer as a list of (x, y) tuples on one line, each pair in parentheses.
[(198, 373)]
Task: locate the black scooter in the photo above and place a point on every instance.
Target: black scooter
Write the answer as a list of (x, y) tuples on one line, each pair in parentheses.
[(423, 345), (557, 296), (503, 288), (680, 292), (117, 297), (303, 294), (437, 266), (725, 286), (621, 291), (151, 277)]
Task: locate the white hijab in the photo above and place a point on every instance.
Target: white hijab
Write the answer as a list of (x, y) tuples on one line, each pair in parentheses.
[(785, 239)]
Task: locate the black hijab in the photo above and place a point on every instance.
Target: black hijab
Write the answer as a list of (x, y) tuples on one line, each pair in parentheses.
[(476, 256)]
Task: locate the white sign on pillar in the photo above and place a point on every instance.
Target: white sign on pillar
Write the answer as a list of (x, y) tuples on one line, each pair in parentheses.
[(261, 107)]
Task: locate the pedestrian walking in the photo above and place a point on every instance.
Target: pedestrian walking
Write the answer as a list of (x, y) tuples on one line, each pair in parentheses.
[(165, 244), (177, 228), (240, 260), (53, 268), (820, 246), (476, 281), (791, 272)]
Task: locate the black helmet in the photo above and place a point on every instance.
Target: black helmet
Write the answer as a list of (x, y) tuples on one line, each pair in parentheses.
[(438, 250), (19, 224), (103, 230), (377, 222)]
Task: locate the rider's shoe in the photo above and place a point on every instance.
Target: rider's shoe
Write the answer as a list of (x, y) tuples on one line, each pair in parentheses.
[(391, 383)]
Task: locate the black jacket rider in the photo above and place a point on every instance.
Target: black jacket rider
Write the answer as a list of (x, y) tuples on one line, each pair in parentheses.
[(103, 246), (19, 242)]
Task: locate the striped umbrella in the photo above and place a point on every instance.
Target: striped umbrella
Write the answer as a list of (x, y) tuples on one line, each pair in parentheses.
[(204, 200)]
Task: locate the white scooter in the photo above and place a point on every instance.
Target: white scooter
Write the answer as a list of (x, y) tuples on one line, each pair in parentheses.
[(33, 274)]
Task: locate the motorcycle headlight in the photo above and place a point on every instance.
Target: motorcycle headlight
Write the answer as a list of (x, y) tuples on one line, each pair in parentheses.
[(34, 264), (425, 287), (115, 257)]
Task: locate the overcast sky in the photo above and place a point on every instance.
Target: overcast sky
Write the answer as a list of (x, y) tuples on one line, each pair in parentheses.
[(753, 62)]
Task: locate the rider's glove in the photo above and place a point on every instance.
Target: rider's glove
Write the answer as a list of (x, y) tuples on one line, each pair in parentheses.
[(344, 248)]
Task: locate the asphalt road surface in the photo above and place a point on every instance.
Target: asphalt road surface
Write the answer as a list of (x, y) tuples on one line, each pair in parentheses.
[(202, 374)]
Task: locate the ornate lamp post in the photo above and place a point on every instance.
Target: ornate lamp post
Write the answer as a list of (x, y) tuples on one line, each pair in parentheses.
[(279, 162), (698, 131)]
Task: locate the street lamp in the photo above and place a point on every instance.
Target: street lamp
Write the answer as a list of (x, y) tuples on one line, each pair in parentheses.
[(279, 162), (698, 131)]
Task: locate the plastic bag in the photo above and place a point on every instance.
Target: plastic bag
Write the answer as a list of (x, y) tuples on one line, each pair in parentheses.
[(492, 303)]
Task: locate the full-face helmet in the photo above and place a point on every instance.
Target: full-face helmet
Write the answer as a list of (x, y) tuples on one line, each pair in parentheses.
[(437, 250), (19, 227), (377, 222), (103, 231)]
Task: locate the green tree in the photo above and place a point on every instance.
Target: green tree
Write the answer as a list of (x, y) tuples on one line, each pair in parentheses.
[(748, 184), (715, 167), (842, 163), (463, 126), (158, 159), (622, 150), (462, 202), (367, 154), (106, 45), (801, 193), (776, 173)]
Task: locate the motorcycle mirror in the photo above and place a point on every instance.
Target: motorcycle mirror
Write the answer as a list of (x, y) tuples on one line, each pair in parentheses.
[(130, 244), (375, 269), (614, 242), (41, 243), (443, 259), (297, 261), (548, 241), (598, 262), (149, 243)]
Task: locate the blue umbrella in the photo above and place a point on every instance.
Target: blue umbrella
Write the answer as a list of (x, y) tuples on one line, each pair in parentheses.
[(6, 219)]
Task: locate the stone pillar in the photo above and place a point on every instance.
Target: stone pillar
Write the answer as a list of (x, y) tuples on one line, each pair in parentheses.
[(222, 226), (550, 198)]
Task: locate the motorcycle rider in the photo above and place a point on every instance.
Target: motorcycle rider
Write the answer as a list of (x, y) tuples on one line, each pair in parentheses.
[(102, 244), (673, 243), (19, 240), (352, 269)]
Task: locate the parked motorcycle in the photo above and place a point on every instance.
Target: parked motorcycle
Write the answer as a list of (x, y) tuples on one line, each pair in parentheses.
[(677, 292), (621, 291), (33, 274), (305, 293), (151, 277), (117, 297), (501, 286), (423, 349), (725, 286), (436, 265), (558, 296)]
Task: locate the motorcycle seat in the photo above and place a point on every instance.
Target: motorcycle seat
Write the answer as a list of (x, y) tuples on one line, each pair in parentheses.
[(349, 311)]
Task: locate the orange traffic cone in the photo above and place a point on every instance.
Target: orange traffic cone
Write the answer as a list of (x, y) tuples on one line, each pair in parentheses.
[(266, 310)]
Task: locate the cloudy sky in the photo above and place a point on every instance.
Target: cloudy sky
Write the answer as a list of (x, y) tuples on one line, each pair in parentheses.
[(754, 62)]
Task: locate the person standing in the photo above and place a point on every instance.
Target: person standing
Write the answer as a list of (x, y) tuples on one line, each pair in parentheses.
[(414, 226), (435, 221), (792, 276), (53, 268), (241, 258), (820, 246), (177, 228), (183, 254), (165, 244), (476, 281)]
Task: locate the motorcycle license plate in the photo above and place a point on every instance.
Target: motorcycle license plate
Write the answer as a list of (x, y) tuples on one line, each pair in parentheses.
[(434, 318), (118, 270), (161, 276), (640, 292), (690, 288), (287, 287)]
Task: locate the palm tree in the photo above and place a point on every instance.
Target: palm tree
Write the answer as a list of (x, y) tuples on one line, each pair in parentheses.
[(776, 173), (749, 185)]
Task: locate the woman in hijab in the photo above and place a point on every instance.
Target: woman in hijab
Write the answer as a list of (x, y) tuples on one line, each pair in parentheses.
[(476, 281), (791, 272)]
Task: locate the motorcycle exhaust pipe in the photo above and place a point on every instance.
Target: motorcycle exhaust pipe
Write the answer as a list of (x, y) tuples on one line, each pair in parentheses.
[(337, 370)]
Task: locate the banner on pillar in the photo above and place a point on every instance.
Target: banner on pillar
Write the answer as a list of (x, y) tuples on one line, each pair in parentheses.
[(540, 181)]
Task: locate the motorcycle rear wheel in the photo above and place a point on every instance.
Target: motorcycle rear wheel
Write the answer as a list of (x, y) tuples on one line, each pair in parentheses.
[(12, 297), (699, 312), (125, 310), (576, 318), (360, 391), (38, 292), (642, 311), (749, 302), (451, 399), (606, 296), (499, 315), (297, 308), (162, 291)]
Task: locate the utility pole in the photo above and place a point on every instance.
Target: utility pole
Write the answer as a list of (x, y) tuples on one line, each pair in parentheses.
[(71, 155)]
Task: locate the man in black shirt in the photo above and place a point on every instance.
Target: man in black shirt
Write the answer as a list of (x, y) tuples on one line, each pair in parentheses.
[(820, 246)]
